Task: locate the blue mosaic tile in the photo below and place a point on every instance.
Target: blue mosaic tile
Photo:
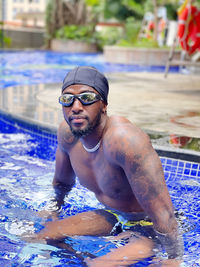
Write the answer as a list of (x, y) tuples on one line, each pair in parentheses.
[(174, 169), (167, 168), (193, 173), (162, 160), (187, 171), (180, 170), (198, 174), (188, 165), (175, 163), (166, 175), (169, 161), (195, 166), (181, 164)]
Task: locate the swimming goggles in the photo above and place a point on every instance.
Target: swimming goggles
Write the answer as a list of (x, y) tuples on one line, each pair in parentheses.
[(86, 98)]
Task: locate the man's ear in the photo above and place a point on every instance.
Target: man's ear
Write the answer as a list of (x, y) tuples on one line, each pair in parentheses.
[(104, 109)]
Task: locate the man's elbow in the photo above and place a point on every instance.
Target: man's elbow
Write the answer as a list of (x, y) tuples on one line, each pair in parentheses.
[(166, 223), (170, 238)]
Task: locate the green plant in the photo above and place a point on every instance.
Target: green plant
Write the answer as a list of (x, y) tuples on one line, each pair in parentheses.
[(143, 43), (132, 28), (109, 35), (76, 32), (60, 13), (4, 40), (131, 31), (122, 9)]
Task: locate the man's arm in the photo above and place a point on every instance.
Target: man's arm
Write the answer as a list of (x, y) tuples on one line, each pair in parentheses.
[(64, 177), (146, 178), (142, 166)]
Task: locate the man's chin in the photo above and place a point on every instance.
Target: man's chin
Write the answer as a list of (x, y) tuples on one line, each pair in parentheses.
[(78, 133), (84, 130)]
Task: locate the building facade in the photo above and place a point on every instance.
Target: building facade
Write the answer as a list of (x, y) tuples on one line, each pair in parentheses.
[(24, 12)]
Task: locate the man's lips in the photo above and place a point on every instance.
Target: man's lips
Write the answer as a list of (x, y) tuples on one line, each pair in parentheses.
[(77, 119)]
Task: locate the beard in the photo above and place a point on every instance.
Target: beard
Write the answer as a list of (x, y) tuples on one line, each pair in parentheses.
[(89, 129)]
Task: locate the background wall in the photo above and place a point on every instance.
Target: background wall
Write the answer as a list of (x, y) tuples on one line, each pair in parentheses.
[(26, 38)]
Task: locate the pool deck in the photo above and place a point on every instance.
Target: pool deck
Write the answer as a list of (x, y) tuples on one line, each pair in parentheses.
[(168, 106)]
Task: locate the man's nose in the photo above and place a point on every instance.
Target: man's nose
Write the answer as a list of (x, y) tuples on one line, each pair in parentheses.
[(77, 106)]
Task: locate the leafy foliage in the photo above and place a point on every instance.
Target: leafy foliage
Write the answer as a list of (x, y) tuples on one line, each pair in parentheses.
[(4, 40), (122, 9), (141, 43), (135, 6), (129, 36), (109, 36), (77, 19), (75, 32)]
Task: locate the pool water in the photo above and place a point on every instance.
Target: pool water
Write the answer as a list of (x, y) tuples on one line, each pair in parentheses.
[(33, 67), (27, 168), (27, 158)]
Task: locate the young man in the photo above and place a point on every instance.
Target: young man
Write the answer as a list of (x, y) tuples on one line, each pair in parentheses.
[(114, 159)]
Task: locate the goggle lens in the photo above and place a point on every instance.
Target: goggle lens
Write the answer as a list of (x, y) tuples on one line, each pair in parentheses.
[(85, 98)]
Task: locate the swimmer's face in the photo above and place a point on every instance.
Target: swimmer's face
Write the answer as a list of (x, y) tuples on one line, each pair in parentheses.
[(83, 119)]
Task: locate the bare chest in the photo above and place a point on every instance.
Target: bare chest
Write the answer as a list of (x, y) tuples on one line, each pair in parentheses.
[(97, 174)]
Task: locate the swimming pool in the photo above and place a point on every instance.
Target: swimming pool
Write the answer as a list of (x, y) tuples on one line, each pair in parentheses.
[(27, 155), (33, 67), (27, 166)]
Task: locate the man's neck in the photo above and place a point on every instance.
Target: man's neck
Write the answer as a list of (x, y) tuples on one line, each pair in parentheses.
[(91, 140)]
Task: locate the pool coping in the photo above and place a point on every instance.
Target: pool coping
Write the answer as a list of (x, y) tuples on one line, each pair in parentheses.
[(176, 153)]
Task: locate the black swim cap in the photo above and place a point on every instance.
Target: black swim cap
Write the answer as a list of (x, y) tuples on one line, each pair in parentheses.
[(88, 76)]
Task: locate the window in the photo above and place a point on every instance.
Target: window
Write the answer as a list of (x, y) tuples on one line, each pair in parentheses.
[(14, 12)]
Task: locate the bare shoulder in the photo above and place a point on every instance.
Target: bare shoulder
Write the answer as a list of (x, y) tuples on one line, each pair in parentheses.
[(123, 137), (65, 137), (121, 131)]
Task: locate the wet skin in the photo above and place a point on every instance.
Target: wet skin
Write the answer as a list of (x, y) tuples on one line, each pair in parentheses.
[(125, 173)]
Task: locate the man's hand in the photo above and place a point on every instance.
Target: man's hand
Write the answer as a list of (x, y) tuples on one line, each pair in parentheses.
[(46, 214), (167, 263)]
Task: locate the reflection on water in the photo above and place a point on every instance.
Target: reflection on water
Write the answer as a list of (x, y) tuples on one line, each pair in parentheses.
[(36, 67), (22, 101)]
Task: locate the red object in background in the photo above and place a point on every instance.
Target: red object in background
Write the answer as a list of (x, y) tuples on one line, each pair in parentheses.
[(149, 30), (151, 26), (189, 29), (179, 141)]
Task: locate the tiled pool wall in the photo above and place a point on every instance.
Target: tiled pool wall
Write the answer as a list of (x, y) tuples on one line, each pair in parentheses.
[(180, 168), (36, 130), (44, 138)]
